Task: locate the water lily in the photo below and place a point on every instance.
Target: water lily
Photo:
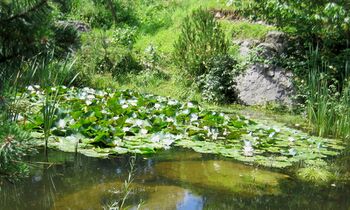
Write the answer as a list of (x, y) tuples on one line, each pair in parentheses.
[(61, 124), (190, 105), (126, 129), (194, 117), (143, 131), (155, 138), (157, 106), (248, 149), (292, 152)]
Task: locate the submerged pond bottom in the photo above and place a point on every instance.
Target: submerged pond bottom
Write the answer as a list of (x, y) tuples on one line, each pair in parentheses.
[(172, 179)]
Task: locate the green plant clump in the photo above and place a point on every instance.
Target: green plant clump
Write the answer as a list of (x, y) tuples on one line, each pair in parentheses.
[(14, 146), (201, 39), (117, 122)]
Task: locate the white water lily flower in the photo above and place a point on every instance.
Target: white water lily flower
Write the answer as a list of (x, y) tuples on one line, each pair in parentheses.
[(143, 131), (172, 102), (129, 121), (190, 105), (194, 117), (248, 149), (169, 119), (277, 130), (126, 129), (90, 97), (272, 134), (292, 151), (133, 102), (186, 111), (88, 102), (30, 88), (168, 141), (155, 138), (61, 124), (139, 123), (157, 106), (122, 101)]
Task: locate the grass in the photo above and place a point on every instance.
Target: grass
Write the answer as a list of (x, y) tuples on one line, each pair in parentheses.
[(327, 103)]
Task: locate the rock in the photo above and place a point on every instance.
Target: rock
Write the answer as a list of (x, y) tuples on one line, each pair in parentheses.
[(275, 44), (261, 84), (245, 46), (79, 26)]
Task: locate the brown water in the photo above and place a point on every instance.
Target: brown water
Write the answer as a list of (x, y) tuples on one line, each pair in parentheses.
[(173, 179)]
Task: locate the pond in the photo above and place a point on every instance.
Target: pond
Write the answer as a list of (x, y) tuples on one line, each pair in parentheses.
[(171, 179)]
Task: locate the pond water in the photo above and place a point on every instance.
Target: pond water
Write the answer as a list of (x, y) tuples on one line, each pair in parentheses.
[(172, 179)]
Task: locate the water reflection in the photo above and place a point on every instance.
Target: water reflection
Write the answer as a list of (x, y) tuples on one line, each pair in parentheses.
[(174, 179)]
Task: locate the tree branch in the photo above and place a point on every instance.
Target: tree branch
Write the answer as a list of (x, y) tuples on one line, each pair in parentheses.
[(24, 13)]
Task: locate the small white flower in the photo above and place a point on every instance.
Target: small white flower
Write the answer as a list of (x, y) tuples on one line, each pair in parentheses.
[(30, 88), (248, 149), (292, 151), (169, 119), (61, 124), (291, 139), (143, 131), (126, 129), (139, 122), (90, 97), (194, 117), (172, 102), (88, 102), (115, 118), (125, 106), (186, 111), (157, 106), (272, 134), (155, 138), (190, 105)]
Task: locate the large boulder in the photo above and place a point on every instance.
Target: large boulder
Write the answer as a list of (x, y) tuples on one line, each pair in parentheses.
[(261, 84)]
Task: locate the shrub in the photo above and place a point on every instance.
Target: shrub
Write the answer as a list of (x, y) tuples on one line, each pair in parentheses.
[(201, 38), (14, 146), (217, 85)]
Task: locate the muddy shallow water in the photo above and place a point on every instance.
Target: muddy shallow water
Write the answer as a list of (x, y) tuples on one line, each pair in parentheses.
[(173, 179)]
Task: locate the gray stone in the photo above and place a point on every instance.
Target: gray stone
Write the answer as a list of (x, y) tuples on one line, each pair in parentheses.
[(261, 84), (79, 26)]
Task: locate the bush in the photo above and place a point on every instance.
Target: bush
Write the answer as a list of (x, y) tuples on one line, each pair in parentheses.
[(218, 83), (14, 146), (201, 39)]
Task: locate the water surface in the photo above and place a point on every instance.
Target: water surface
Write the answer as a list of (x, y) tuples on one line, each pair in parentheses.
[(173, 179)]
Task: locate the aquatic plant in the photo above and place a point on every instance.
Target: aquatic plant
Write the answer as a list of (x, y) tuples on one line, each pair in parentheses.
[(107, 122)]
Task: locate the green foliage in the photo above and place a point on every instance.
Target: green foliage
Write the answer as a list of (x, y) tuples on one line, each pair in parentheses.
[(315, 175), (67, 39), (14, 146), (327, 103), (25, 32), (103, 14), (217, 84), (201, 39), (317, 20)]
